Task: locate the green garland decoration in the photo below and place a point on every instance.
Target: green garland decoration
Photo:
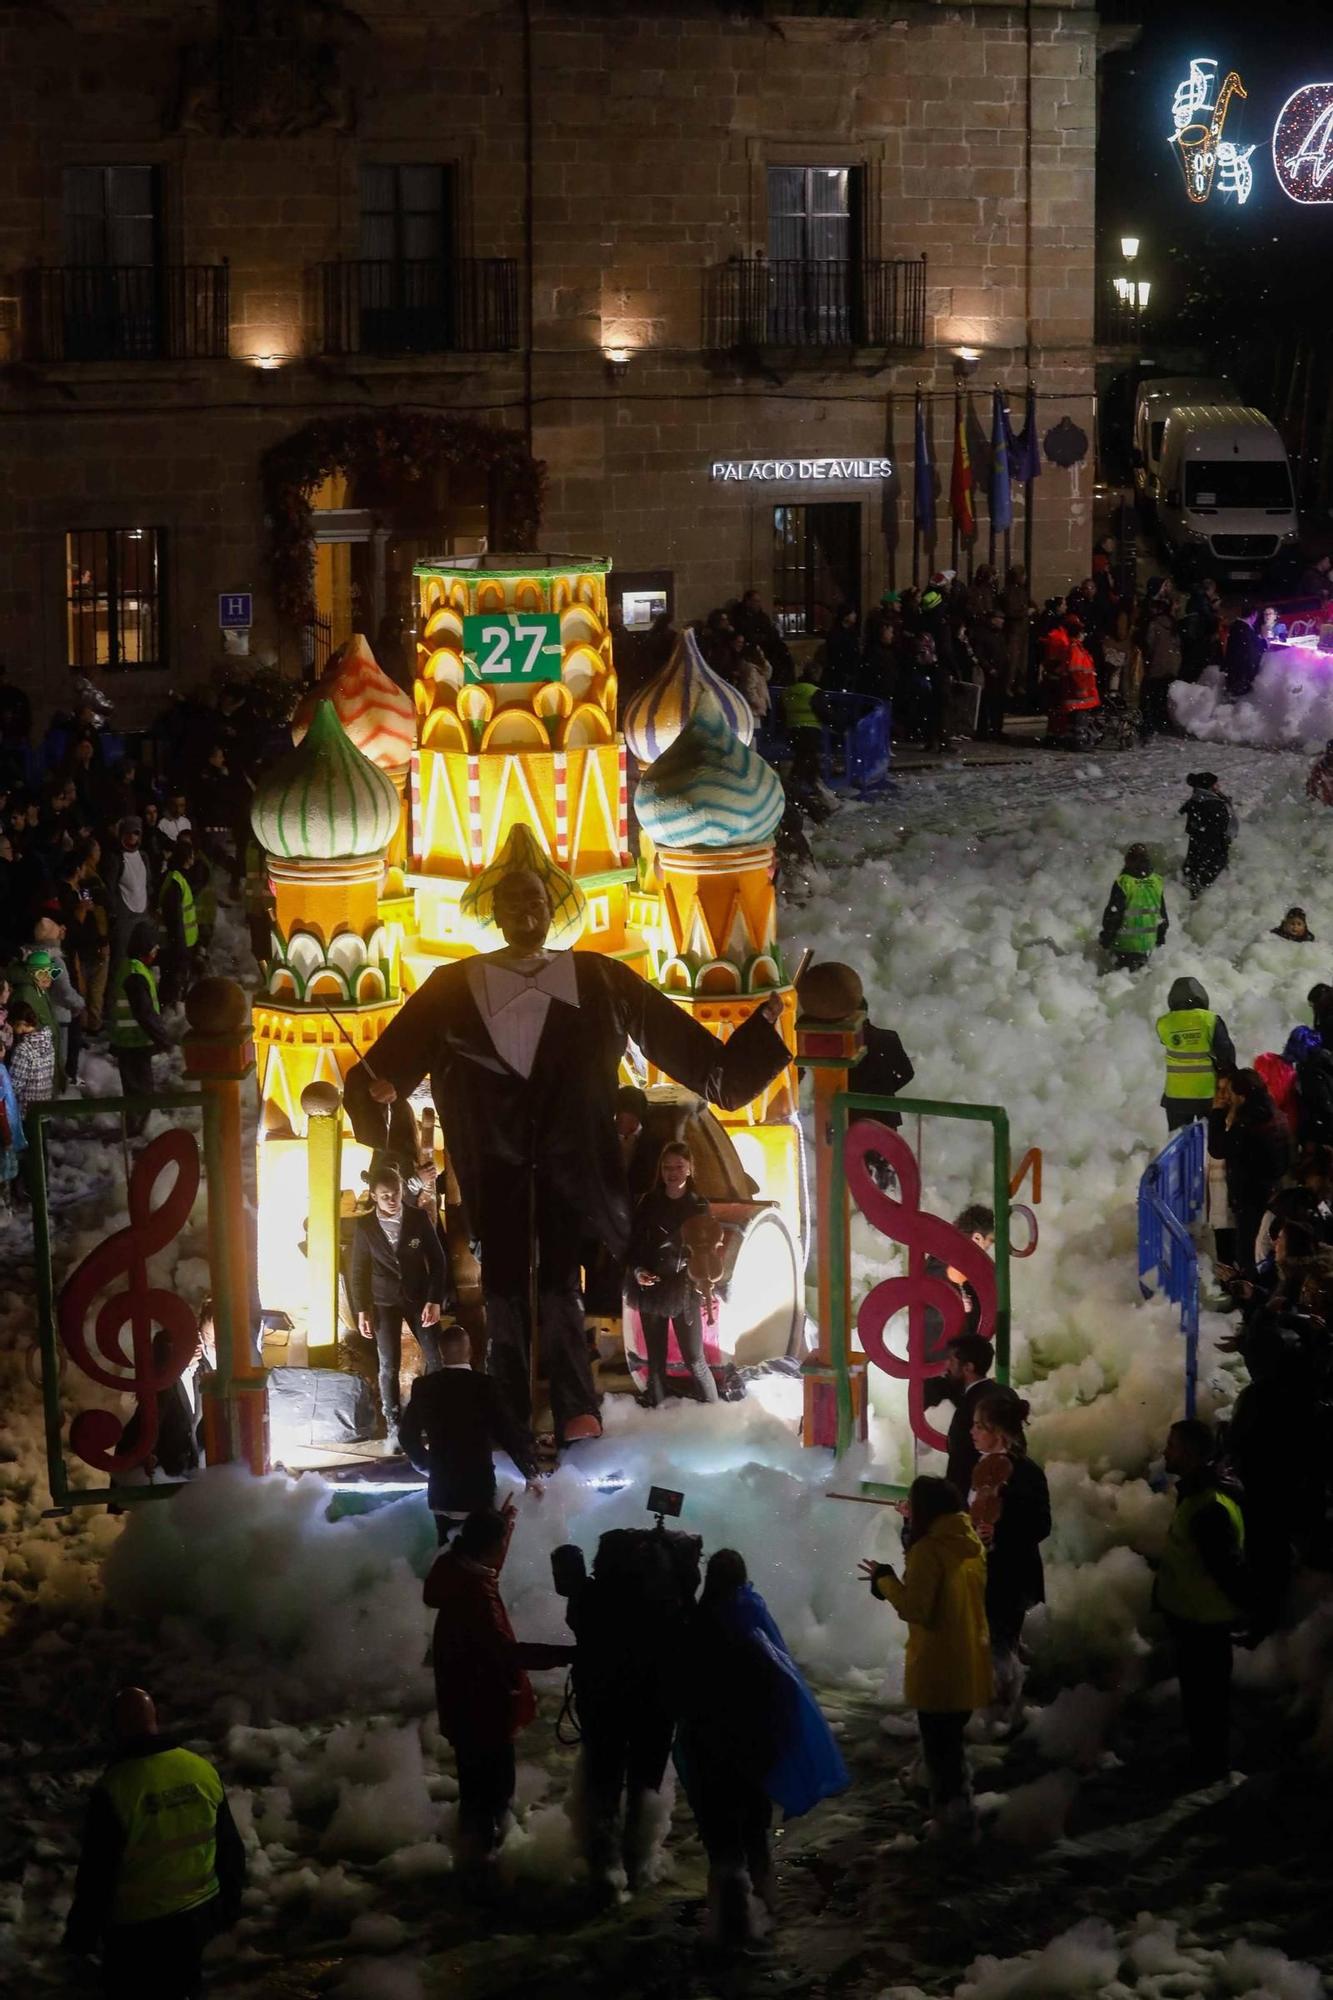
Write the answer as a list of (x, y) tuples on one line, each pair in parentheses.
[(415, 443)]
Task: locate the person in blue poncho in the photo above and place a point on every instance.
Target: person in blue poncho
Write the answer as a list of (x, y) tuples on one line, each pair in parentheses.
[(751, 1736)]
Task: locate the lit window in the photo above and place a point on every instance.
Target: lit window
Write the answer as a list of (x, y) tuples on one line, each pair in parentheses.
[(114, 598)]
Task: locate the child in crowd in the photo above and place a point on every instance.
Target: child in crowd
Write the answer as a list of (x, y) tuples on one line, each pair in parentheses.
[(1294, 927)]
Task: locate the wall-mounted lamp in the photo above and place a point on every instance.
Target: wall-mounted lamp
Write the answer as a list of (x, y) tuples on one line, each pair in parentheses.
[(268, 361), (1129, 248), (617, 362), (1123, 289), (966, 361), (1144, 289)]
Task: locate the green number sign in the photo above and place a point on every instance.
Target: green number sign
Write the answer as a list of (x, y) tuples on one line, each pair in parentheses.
[(512, 646)]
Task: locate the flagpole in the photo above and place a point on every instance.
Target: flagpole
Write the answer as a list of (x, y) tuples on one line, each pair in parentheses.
[(918, 431), (953, 511), (1028, 484), (990, 498)]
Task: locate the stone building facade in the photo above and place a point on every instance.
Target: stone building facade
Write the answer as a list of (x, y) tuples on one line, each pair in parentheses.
[(657, 241)]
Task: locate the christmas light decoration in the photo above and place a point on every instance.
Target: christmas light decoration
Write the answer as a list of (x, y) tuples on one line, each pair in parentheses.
[(1303, 144), (1209, 162)]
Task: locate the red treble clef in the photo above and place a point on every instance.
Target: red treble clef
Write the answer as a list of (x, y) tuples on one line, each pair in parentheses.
[(924, 1235), (95, 1434)]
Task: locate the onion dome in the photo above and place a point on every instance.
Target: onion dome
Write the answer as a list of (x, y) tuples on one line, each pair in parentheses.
[(709, 789), (660, 710), (324, 801), (379, 718)]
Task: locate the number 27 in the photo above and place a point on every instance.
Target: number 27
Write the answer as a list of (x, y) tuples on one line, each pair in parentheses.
[(500, 637)]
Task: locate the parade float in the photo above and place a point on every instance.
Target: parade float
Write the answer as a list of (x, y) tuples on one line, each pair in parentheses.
[(390, 809)]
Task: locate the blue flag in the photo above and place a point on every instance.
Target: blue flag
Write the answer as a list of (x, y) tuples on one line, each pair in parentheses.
[(1001, 498), (925, 475)]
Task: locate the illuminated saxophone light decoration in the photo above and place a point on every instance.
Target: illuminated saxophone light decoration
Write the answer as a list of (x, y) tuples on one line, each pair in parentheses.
[(1208, 160)]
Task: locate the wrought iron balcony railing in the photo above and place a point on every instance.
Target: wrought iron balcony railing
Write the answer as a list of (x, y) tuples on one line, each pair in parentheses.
[(467, 305), (126, 312), (808, 302)]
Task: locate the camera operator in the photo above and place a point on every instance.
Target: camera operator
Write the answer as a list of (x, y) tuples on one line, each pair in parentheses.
[(630, 1618)]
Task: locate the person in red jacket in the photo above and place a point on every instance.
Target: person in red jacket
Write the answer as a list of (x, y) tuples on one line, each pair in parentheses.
[(483, 1695), (1077, 695)]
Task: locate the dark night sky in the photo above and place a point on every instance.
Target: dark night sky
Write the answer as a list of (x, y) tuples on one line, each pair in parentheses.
[(1272, 256)]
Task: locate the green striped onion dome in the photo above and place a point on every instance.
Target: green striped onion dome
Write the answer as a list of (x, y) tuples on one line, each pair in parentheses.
[(324, 801), (709, 789)]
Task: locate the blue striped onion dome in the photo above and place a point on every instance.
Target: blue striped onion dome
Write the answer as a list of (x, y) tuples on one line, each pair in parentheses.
[(324, 801), (709, 789), (660, 710)]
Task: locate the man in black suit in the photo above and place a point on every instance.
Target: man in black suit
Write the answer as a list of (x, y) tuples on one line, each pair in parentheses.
[(398, 1273), (967, 1365), (454, 1422)]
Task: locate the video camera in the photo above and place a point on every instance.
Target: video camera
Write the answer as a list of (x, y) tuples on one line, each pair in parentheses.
[(569, 1570)]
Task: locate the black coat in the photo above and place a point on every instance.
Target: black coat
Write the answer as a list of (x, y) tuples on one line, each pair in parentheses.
[(1015, 1577), (883, 1071), (413, 1275), (454, 1422), (1256, 1148), (560, 1121), (963, 1454)]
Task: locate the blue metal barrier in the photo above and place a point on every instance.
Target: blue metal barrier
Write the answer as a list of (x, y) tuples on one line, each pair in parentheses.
[(1171, 1197), (858, 743)]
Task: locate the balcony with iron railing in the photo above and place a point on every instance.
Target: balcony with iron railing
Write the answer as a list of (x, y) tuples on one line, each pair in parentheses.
[(808, 303), (468, 305), (125, 312)]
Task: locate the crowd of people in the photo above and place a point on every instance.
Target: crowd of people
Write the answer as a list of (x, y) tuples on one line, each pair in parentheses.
[(110, 870)]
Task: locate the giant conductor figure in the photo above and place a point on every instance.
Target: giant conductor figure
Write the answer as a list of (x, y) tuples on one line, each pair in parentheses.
[(523, 1047)]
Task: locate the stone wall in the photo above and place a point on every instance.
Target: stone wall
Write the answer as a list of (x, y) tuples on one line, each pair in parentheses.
[(652, 130)]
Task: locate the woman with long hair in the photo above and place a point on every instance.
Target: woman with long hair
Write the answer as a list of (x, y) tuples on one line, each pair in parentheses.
[(941, 1597), (657, 1278), (1010, 1507)]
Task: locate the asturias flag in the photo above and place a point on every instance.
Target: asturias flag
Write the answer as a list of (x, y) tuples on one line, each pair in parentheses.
[(1001, 497), (960, 485), (925, 475)]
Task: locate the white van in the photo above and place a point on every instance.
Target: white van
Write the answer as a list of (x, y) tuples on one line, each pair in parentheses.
[(1225, 504), (1156, 397)]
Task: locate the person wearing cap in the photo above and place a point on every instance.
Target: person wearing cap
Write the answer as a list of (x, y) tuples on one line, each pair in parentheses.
[(161, 1867), (1134, 921), (1210, 827), (135, 1015), (1294, 927), (129, 889)]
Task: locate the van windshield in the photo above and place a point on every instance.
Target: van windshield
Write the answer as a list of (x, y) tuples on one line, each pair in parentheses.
[(1237, 482)]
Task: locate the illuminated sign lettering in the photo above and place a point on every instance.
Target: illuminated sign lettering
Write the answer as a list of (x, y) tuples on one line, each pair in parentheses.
[(1209, 162), (1303, 144), (733, 469)]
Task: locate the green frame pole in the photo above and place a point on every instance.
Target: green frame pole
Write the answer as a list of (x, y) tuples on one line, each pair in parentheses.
[(997, 1118), (63, 1495)]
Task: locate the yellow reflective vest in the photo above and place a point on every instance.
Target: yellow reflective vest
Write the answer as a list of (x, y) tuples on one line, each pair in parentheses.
[(1187, 1036), (1185, 1587), (167, 1806), (189, 915), (798, 705), (1142, 916)]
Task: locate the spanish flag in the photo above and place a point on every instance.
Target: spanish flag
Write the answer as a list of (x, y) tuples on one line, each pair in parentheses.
[(960, 485)]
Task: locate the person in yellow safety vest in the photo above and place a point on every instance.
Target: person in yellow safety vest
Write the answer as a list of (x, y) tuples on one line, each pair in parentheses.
[(180, 920), (1201, 1590), (1197, 1046), (804, 714), (1134, 921), (135, 1017), (162, 1866)]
